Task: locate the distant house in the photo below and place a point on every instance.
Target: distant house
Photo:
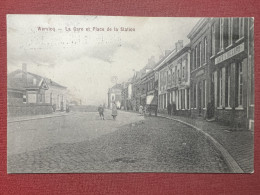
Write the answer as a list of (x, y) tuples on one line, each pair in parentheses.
[(56, 95), (29, 93), (115, 95), (24, 87)]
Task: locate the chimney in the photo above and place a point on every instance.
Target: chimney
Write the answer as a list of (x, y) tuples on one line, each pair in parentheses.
[(24, 72), (179, 45), (151, 61)]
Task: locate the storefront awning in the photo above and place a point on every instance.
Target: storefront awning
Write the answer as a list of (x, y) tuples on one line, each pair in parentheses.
[(151, 100)]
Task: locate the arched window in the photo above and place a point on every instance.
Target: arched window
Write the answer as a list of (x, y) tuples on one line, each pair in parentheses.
[(205, 49)]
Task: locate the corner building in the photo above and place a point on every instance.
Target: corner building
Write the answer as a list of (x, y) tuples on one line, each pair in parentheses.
[(232, 70)]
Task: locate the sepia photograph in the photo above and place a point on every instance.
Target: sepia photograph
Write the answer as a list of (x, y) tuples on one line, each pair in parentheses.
[(120, 94)]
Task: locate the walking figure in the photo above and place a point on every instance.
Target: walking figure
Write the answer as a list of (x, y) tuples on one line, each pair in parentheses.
[(101, 112), (141, 109), (114, 110), (169, 108)]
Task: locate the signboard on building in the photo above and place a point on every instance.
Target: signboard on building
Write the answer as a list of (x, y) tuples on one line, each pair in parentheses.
[(236, 50)]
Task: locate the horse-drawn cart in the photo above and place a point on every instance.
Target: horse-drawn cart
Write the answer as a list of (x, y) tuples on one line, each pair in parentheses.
[(151, 104)]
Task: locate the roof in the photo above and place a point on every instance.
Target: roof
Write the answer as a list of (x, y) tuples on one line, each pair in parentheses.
[(52, 83), (171, 55), (15, 80), (197, 27)]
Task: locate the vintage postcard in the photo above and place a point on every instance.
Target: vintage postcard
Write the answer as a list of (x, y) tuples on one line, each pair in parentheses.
[(129, 94)]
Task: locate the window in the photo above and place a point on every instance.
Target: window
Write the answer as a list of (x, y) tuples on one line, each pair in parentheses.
[(180, 100), (183, 71), (221, 29), (228, 73), (195, 59), (220, 88), (183, 99), (169, 78), (240, 84), (213, 42), (204, 94), (205, 49), (188, 98), (24, 98), (173, 78), (230, 30), (241, 27), (165, 105), (40, 98), (195, 96), (199, 57)]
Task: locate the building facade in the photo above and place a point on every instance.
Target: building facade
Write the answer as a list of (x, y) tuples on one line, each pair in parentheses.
[(31, 94), (174, 81), (232, 70), (56, 95), (149, 96), (115, 95), (200, 69)]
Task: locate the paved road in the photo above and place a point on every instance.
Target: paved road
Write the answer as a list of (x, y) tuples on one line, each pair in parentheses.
[(29, 135), (130, 144)]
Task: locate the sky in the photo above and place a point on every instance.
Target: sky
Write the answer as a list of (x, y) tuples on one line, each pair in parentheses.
[(83, 53)]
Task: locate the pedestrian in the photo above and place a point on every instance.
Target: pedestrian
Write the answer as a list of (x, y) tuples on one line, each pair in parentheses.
[(169, 108), (141, 109), (114, 110), (173, 108), (101, 112)]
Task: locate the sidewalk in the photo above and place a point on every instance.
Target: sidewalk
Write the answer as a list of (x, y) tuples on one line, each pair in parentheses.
[(237, 145), (34, 117)]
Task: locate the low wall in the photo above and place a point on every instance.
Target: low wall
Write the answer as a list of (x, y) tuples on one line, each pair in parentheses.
[(195, 113), (84, 108), (186, 113), (28, 109), (230, 117)]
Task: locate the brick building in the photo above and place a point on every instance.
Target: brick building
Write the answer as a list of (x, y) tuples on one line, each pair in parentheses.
[(174, 80), (200, 69), (232, 72), (29, 93)]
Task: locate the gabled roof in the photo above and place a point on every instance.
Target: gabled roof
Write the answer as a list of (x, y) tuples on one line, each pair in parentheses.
[(15, 80), (197, 27), (173, 54), (52, 83)]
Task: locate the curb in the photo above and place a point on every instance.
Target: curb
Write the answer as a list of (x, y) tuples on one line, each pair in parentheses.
[(232, 164), (36, 118)]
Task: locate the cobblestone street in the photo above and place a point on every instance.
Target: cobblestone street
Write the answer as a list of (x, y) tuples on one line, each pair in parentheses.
[(135, 145)]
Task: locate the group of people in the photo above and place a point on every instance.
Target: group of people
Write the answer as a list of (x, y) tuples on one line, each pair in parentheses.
[(171, 108), (101, 111)]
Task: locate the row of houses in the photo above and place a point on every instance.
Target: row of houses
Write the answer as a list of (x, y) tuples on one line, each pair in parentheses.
[(30, 94), (211, 77)]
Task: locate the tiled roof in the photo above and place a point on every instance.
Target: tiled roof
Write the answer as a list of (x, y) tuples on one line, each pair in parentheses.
[(15, 80)]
